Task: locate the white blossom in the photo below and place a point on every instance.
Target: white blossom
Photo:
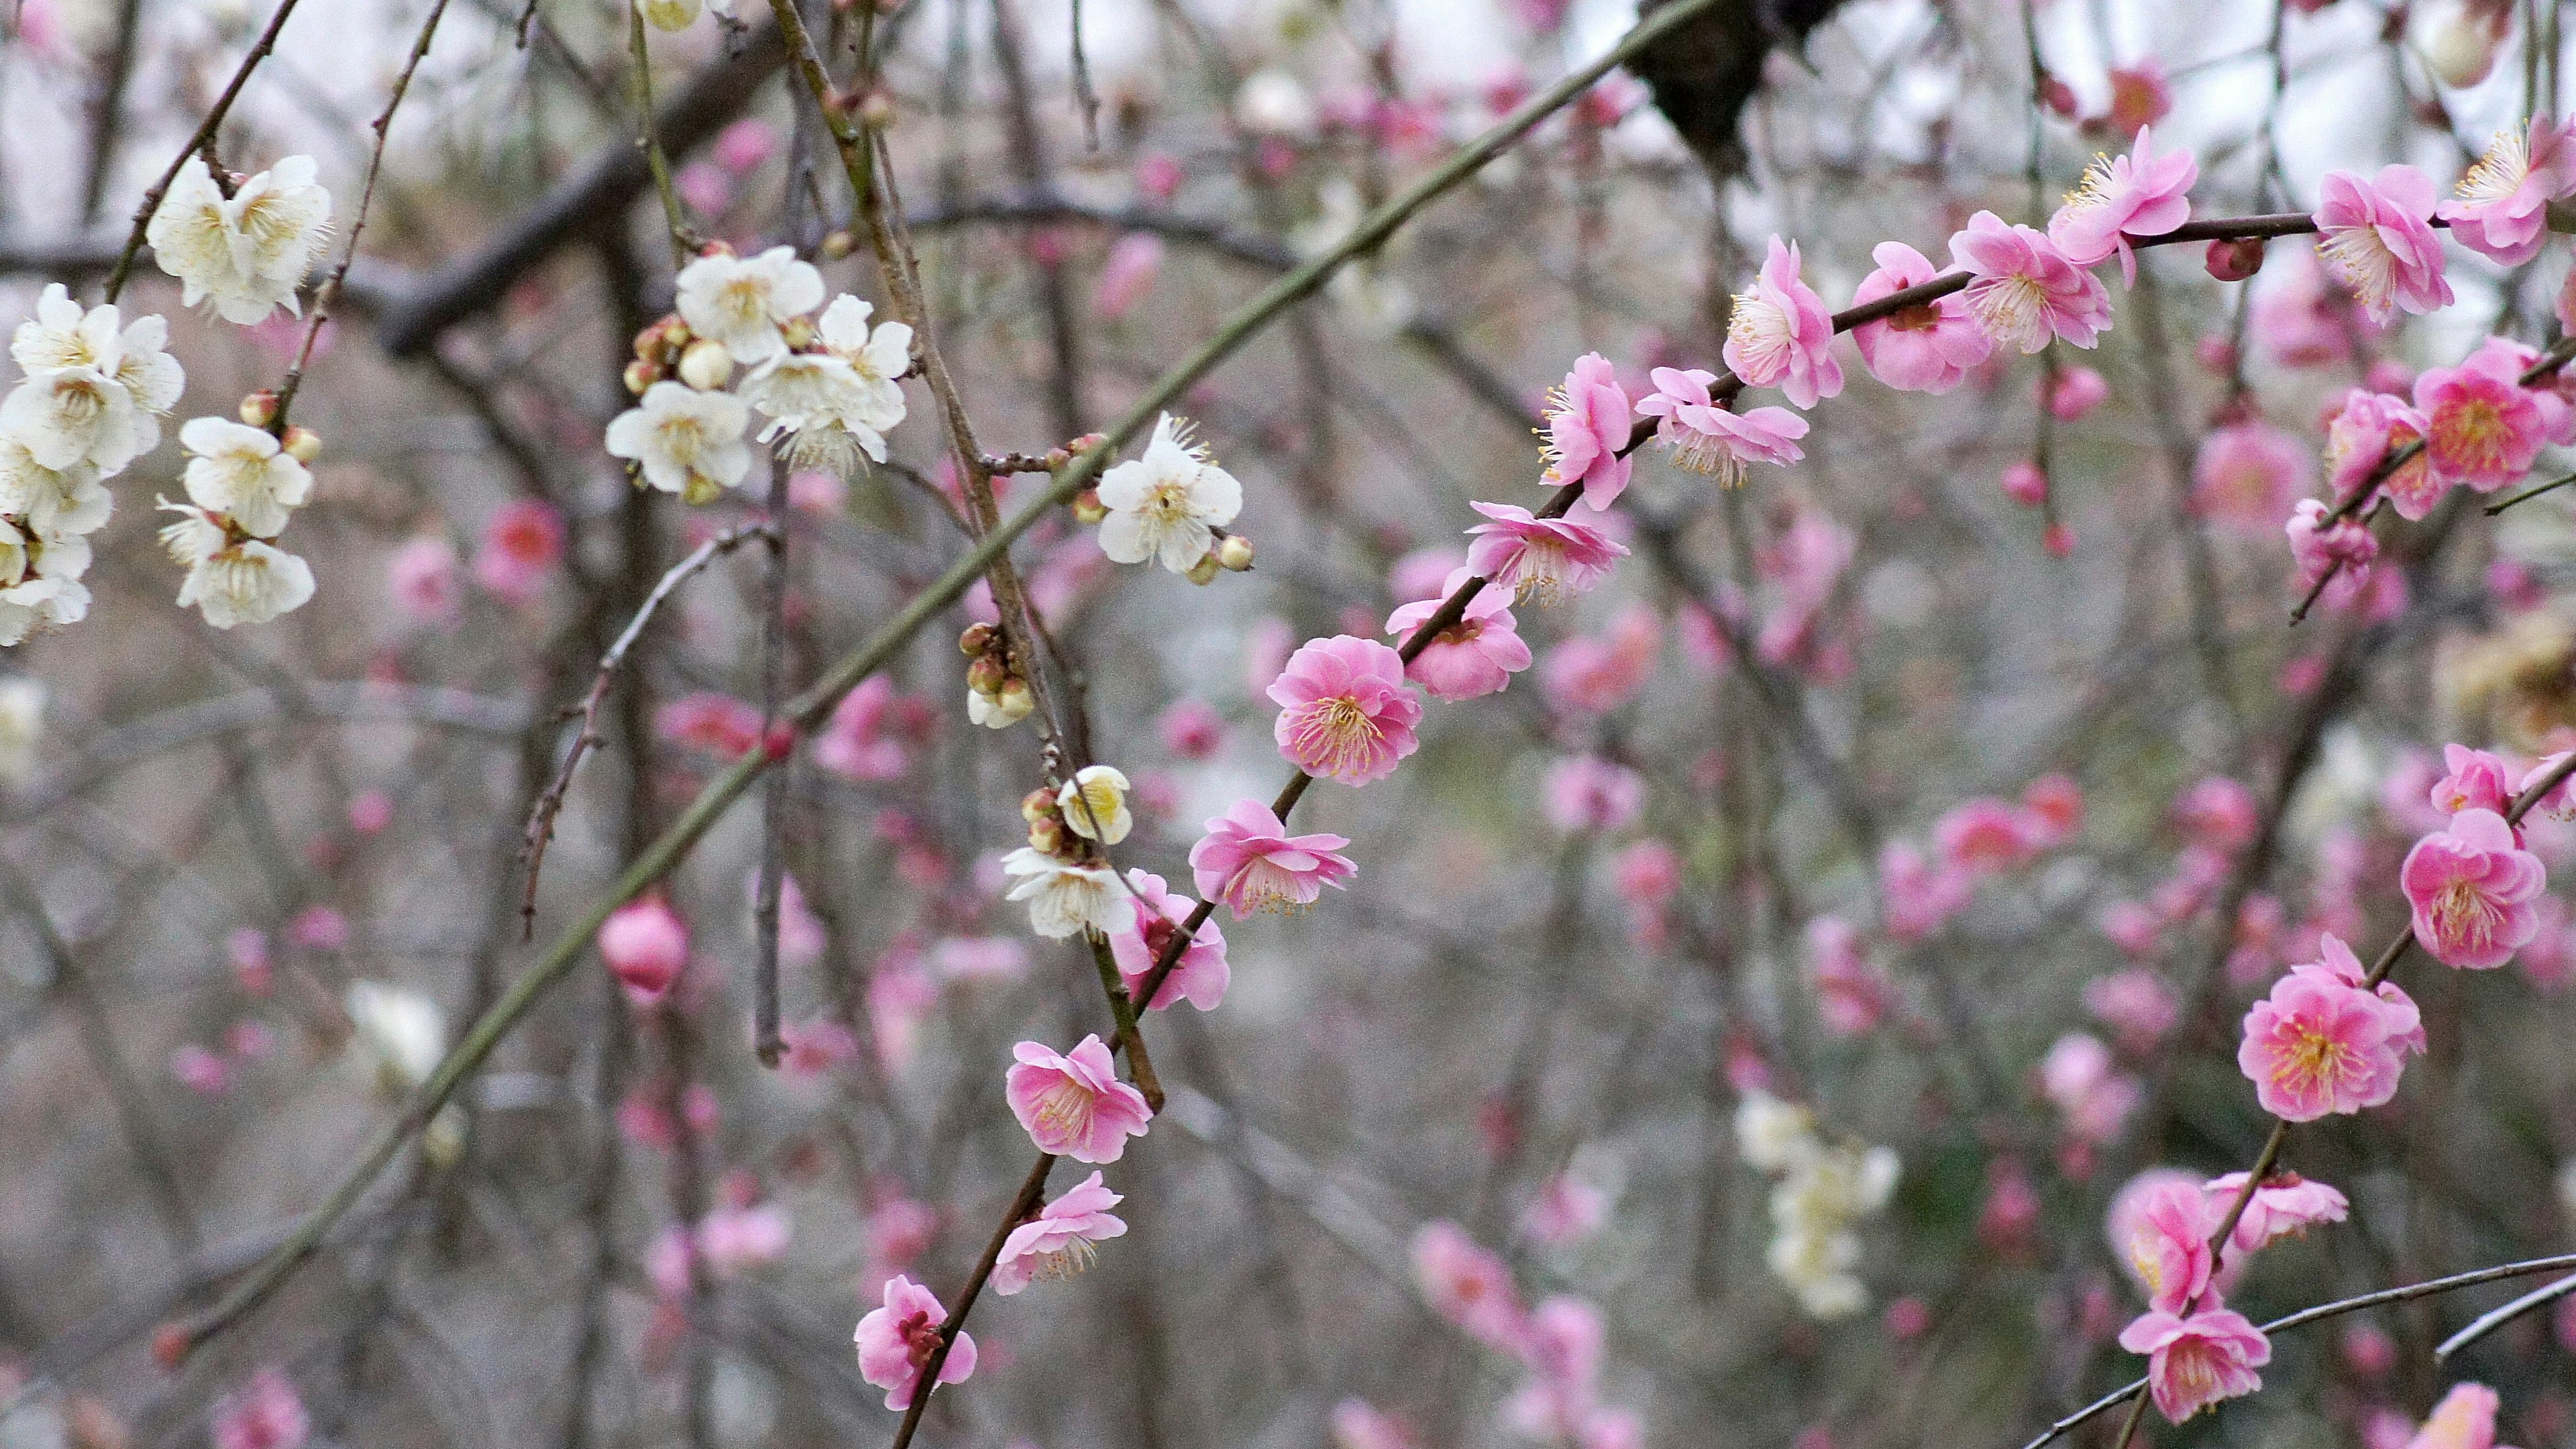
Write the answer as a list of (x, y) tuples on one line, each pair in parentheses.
[(821, 401), (687, 442), (40, 604), (58, 555), (400, 1034), (1064, 898), (62, 337), (1094, 804), (51, 500), (1771, 1134), (78, 416), (1167, 504), (244, 255), (1001, 711), (879, 356), (743, 301), (232, 581), (1822, 1191), (22, 722), (236, 469)]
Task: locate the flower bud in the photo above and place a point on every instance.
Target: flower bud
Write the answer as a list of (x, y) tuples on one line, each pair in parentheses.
[(1016, 699), (718, 248), (1204, 570), (1087, 507), (644, 945), (641, 375), (1094, 804), (1046, 837), (1058, 459), (798, 333), (2058, 96), (302, 444), (837, 245), (1235, 553), (978, 639), (260, 408), (1037, 805), (2459, 44), (987, 674), (876, 109), (2234, 261), (707, 365)]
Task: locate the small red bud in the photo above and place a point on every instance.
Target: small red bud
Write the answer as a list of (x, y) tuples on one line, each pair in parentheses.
[(170, 1346), (2234, 261), (778, 742), (2058, 96)]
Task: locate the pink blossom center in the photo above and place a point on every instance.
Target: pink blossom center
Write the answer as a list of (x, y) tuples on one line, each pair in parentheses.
[(2475, 434), (1339, 733), (1064, 1110), (2462, 911), (2315, 1062), (920, 1337)]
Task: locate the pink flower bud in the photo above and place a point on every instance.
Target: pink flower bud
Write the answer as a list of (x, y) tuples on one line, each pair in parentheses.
[(645, 945), (2234, 261)]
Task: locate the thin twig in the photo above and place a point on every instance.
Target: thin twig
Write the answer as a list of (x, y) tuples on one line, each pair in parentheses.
[(639, 86), (767, 893)]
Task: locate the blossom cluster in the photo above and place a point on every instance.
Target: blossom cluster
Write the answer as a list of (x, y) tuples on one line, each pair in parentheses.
[(1822, 1191), (1558, 1344)]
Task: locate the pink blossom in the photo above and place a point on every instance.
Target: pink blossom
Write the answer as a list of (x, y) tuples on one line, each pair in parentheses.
[(2076, 1076), (1915, 899), (1344, 711), (2318, 1045), (2561, 799), (705, 187), (1588, 423), (1597, 673), (1249, 861), (2248, 474), (1586, 794), (2136, 1005), (1357, 1426), (741, 147), (249, 1040), (1467, 1286), (2195, 1362), (1072, 1103), (2477, 781), (2010, 1213), (2053, 810), (1547, 559), (1984, 836), (1159, 175), (1851, 994), (2368, 1350), (1199, 977), (1057, 1242), (370, 811), (2299, 318), (740, 1239), (2025, 290), (2363, 432), (2376, 237), (2169, 1244), (2140, 97), (319, 928), (1126, 274), (246, 951), (2501, 209), (1927, 347), (1419, 572), (815, 1047), (1782, 333), (199, 1070), (716, 723), (2025, 483), (2341, 550), (2335, 962), (2482, 427), (265, 1413), (1192, 729), (2470, 889), (980, 958), (2140, 194), (1565, 1210), (421, 576), (2464, 1419), (1704, 437), (896, 1342), (1647, 874), (2130, 926), (863, 738), (2217, 814), (2075, 392), (522, 542), (1906, 1318), (2286, 1205), (1472, 658), (645, 945)]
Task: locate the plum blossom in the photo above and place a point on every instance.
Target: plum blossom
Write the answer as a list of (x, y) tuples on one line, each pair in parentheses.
[(1782, 333), (897, 1341), (521, 544), (1704, 437), (1355, 1425), (2359, 439), (1851, 994), (861, 740), (421, 577), (2077, 1077), (2285, 1205), (838, 397), (1588, 421), (2376, 237), (2074, 393), (2247, 474), (231, 581), (2218, 814), (1155, 915), (2140, 194), (1927, 347), (2476, 780), (1466, 1285), (2318, 1045), (2482, 427), (2136, 1004), (1072, 1103), (1065, 897), (1250, 862), (1597, 673), (2342, 549), (265, 1413), (1094, 804), (685, 441), (2500, 210), (1548, 560), (2464, 1419), (1984, 837), (1915, 898), (2169, 1243), (2025, 290), (1126, 274), (645, 945), (1565, 1209), (243, 255), (743, 302), (1587, 794), (1345, 712), (240, 470), (1057, 1242), (2196, 1361), (64, 337), (1167, 504), (1472, 658), (2470, 889)]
